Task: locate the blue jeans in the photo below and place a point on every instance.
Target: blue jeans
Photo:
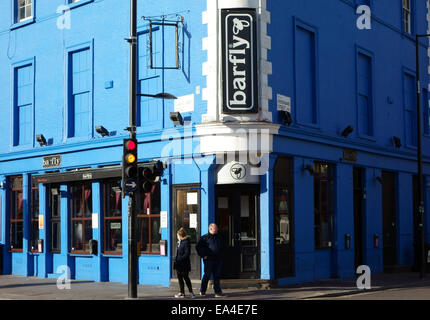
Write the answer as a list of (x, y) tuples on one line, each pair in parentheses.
[(211, 267)]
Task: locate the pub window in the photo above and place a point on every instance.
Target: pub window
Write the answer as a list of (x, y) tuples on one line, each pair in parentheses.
[(34, 216), (55, 205), (81, 222), (112, 216), (149, 229), (283, 201), (16, 214), (323, 205)]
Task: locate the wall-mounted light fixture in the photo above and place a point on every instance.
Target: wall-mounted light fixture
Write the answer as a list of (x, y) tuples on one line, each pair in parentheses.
[(397, 142), (286, 117), (176, 118), (102, 131), (309, 168), (347, 131), (379, 179), (41, 139)]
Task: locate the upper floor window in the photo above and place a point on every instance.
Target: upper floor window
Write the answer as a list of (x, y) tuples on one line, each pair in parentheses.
[(80, 93), (24, 10), (406, 13), (23, 105)]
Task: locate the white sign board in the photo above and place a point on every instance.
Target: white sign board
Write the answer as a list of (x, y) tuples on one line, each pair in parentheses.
[(193, 220), (95, 220), (163, 219), (184, 104), (284, 103), (192, 198)]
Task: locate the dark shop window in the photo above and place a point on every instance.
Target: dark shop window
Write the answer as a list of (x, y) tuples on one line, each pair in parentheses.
[(148, 218), (34, 217), (323, 205), (16, 214), (112, 217), (55, 205), (81, 211)]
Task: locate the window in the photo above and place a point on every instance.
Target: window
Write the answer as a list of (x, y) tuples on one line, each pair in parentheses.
[(364, 95), (16, 214), (34, 216), (149, 110), (406, 14), (148, 219), (80, 93), (81, 214), (23, 105), (55, 208), (283, 201), (112, 216), (306, 75), (410, 109), (24, 10), (323, 205)]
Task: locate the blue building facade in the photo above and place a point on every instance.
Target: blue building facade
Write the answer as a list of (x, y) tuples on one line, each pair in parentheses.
[(298, 135)]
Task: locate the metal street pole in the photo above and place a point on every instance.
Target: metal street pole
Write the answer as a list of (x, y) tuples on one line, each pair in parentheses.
[(132, 241), (420, 209)]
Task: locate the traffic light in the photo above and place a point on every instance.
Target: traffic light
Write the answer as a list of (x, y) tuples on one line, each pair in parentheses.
[(129, 167), (150, 174)]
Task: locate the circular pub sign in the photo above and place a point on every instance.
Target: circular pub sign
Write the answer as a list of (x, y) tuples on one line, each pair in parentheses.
[(238, 171)]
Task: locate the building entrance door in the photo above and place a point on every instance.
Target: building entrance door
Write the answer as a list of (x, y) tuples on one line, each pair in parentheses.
[(389, 218), (186, 213), (237, 216)]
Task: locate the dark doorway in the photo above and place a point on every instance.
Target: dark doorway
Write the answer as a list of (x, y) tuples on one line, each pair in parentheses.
[(389, 218), (237, 216), (283, 222), (358, 215), (186, 213)]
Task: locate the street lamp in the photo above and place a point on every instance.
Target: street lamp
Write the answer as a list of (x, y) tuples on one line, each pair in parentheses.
[(420, 209), (132, 241)]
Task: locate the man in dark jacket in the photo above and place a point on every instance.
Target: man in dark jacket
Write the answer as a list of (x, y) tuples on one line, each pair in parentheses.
[(209, 248)]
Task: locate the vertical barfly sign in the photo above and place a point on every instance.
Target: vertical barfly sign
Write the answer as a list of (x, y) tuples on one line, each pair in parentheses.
[(239, 61)]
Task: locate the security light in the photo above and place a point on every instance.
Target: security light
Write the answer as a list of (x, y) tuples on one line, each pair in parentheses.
[(379, 179), (176, 118), (309, 168), (41, 139), (102, 131), (286, 118), (397, 142), (347, 131)]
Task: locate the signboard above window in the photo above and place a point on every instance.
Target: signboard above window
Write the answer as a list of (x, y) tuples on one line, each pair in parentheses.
[(239, 61)]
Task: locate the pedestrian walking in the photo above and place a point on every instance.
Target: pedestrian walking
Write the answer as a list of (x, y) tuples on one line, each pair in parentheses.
[(182, 263), (209, 248)]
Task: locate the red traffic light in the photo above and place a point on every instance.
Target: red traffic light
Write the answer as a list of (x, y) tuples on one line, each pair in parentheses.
[(130, 145)]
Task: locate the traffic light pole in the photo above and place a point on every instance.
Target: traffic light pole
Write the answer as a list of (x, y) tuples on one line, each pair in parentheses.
[(420, 209), (132, 241)]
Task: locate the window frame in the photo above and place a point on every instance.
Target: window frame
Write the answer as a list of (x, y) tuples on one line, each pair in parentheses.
[(55, 219), (15, 22), (371, 115), (34, 220), (145, 216), (69, 51), (409, 11), (106, 218), (410, 73), (14, 136), (330, 200), (12, 217), (77, 3), (83, 219), (314, 30)]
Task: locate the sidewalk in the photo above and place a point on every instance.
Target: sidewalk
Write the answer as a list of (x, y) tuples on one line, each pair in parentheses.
[(31, 288)]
